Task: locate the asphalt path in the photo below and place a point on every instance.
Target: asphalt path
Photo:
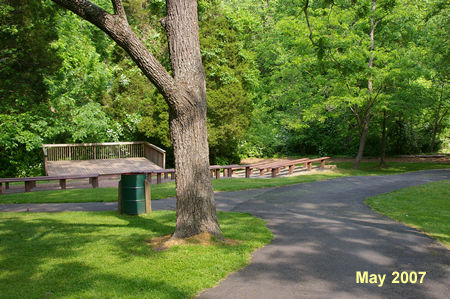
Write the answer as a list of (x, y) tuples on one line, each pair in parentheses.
[(323, 235)]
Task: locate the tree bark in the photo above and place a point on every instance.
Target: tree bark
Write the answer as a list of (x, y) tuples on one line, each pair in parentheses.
[(185, 93), (362, 142), (196, 211)]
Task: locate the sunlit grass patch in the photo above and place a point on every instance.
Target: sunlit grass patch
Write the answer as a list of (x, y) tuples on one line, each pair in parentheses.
[(102, 255), (373, 168), (425, 207)]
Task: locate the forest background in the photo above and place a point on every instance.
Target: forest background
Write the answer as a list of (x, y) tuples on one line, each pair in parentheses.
[(284, 77)]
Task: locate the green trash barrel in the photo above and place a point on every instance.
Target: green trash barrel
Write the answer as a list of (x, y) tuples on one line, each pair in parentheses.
[(133, 194)]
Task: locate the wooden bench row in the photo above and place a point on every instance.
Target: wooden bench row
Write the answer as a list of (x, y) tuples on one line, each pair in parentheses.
[(30, 182), (215, 170), (228, 171), (273, 167), (159, 174)]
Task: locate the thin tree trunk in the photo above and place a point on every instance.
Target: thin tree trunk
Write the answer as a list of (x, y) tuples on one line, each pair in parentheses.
[(185, 93), (366, 120), (383, 141), (362, 143), (436, 121)]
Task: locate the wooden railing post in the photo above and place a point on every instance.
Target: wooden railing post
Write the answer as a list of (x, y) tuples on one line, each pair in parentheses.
[(44, 152)]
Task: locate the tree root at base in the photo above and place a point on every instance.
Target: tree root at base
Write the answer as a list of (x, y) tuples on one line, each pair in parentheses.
[(206, 239)]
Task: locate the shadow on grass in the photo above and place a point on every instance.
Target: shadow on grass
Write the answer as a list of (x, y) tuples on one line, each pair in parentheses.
[(102, 255), (45, 258)]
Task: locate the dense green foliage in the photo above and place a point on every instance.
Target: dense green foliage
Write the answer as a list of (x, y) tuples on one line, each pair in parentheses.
[(407, 205), (102, 255), (275, 85)]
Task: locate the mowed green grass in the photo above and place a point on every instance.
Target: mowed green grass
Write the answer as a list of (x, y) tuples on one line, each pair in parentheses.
[(102, 255), (168, 189), (426, 207), (373, 168)]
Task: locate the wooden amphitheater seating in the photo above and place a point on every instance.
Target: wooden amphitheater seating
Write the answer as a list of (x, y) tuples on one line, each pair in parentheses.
[(30, 182)]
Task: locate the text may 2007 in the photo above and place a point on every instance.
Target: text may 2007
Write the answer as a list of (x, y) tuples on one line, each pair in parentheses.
[(413, 277)]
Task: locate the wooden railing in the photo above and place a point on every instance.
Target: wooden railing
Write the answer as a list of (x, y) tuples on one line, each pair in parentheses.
[(108, 150), (155, 154)]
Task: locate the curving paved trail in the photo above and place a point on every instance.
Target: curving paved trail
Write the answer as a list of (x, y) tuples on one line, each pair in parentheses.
[(324, 233)]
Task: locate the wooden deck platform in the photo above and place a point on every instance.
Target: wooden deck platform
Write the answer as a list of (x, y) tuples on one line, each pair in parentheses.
[(102, 167)]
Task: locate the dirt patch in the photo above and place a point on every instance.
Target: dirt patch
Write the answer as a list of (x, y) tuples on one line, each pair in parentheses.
[(206, 239)]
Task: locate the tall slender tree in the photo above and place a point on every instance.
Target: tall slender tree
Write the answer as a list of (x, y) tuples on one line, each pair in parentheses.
[(185, 92)]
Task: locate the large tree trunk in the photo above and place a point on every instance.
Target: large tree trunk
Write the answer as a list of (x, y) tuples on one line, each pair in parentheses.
[(185, 93), (196, 211)]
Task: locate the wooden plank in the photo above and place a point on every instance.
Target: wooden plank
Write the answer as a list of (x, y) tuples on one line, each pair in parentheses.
[(28, 186), (291, 169), (62, 183), (247, 171), (274, 172), (119, 198), (95, 182), (158, 178), (148, 198), (101, 166)]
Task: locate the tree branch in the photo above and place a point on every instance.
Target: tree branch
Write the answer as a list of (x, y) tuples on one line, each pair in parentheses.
[(339, 70), (88, 11), (305, 11), (443, 115), (117, 27), (354, 109), (330, 10), (118, 8), (376, 95)]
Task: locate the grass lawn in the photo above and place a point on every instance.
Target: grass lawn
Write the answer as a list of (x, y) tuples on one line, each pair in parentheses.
[(425, 207), (103, 255), (373, 168), (168, 189)]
